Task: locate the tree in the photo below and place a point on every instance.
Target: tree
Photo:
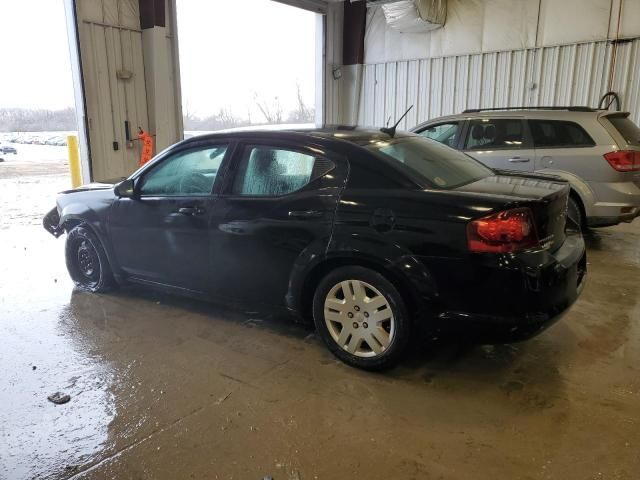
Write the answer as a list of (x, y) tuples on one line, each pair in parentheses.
[(27, 120), (219, 121), (272, 111), (303, 113)]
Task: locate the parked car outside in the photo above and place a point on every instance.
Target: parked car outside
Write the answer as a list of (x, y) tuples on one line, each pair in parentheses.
[(596, 151), (8, 149), (369, 233)]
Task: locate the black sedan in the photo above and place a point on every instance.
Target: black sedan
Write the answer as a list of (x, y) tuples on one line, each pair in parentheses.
[(368, 232)]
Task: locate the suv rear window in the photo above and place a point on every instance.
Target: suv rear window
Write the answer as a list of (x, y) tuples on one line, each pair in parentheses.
[(559, 134), (441, 166), (625, 127)]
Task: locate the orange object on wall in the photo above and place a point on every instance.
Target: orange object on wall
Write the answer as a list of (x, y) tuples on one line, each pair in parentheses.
[(146, 153)]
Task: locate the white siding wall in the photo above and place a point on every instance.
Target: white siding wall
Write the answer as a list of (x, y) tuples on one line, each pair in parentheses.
[(575, 74), (479, 26)]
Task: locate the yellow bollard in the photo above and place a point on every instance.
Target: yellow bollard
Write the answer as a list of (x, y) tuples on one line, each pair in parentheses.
[(74, 161)]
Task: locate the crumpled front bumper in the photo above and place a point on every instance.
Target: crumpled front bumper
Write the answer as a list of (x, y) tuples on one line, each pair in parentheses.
[(51, 223)]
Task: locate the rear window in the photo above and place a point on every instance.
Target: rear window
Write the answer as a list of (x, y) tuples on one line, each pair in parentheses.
[(559, 134), (625, 127), (440, 166)]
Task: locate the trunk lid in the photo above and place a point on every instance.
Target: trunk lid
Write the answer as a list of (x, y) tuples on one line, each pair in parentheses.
[(546, 196)]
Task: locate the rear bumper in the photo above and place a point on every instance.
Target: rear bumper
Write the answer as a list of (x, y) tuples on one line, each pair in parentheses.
[(608, 221), (617, 202), (512, 297)]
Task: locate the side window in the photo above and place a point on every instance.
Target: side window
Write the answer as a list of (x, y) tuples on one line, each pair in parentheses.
[(186, 173), (492, 133), (558, 134), (269, 171), (446, 133), (365, 175)]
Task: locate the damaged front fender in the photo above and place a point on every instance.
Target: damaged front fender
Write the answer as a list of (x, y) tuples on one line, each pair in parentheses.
[(51, 223)]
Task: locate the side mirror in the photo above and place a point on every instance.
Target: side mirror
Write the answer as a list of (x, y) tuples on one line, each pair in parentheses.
[(124, 189)]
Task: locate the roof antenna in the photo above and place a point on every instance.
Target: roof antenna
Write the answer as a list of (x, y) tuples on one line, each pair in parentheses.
[(392, 131)]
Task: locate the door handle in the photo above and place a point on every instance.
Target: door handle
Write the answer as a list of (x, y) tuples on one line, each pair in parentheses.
[(518, 160), (191, 210), (305, 213)]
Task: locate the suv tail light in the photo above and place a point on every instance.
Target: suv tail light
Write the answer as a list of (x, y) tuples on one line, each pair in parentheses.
[(508, 231), (624, 160)]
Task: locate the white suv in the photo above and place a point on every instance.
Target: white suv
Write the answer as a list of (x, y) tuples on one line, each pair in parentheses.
[(597, 151)]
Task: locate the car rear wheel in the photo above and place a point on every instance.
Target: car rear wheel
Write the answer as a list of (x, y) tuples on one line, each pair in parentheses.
[(362, 318), (86, 261)]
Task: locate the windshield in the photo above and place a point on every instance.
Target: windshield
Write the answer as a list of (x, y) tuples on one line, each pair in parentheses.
[(441, 166)]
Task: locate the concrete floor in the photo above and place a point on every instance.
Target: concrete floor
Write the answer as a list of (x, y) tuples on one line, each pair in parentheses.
[(169, 388)]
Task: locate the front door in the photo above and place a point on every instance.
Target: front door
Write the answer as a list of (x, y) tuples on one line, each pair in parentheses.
[(161, 235), (277, 211), (500, 143)]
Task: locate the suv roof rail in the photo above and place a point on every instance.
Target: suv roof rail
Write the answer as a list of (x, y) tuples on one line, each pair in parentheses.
[(571, 109)]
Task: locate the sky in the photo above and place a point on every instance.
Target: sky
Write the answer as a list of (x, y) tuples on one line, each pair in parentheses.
[(230, 51), (35, 55)]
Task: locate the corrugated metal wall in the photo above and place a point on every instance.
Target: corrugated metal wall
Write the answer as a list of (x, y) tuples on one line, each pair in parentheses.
[(575, 74)]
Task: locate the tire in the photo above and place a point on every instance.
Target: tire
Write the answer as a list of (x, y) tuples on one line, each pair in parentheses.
[(574, 212), (364, 345), (86, 261)]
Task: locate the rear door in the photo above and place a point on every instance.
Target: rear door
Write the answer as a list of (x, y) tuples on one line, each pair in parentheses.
[(501, 143), (562, 145), (277, 210)]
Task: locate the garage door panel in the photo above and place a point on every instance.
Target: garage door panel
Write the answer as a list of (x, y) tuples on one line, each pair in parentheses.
[(115, 92)]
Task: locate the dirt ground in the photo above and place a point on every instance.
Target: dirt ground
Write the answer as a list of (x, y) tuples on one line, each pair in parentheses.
[(168, 388)]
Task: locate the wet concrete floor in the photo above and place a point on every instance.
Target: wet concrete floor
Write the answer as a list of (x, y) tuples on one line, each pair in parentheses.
[(168, 388)]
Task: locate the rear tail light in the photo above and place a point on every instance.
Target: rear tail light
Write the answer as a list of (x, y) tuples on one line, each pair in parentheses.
[(508, 231), (624, 160)]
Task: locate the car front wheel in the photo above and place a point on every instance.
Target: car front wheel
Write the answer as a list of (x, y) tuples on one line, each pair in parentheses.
[(86, 260), (362, 318)]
